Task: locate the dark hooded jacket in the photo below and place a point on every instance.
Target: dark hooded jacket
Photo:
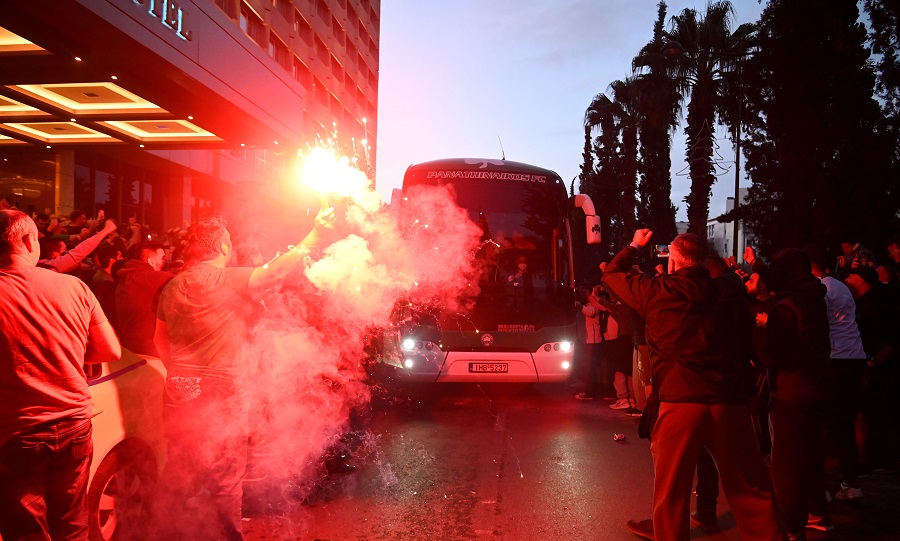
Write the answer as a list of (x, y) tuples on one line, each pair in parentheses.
[(797, 344), (137, 297), (697, 328)]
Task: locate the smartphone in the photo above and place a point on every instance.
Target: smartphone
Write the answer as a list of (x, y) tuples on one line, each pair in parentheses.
[(661, 250)]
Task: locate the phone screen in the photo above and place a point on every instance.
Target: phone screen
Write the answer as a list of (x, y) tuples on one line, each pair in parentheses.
[(661, 250)]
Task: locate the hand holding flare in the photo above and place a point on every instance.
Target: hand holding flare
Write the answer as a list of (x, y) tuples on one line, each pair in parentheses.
[(323, 172)]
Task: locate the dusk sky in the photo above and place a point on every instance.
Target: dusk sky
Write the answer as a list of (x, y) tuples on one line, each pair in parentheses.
[(459, 77)]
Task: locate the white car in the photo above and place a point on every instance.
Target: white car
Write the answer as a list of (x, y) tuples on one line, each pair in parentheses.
[(128, 443)]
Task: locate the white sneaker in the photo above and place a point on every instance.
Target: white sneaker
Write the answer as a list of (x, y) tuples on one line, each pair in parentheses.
[(621, 404), (847, 492)]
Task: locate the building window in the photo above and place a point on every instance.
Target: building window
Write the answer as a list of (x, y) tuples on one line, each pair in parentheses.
[(322, 51), (336, 109), (337, 71), (285, 8), (339, 35), (301, 73), (322, 10), (280, 52), (252, 25), (227, 6), (353, 19), (303, 28), (321, 91)]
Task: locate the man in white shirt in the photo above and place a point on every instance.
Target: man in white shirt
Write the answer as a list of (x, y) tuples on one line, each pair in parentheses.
[(848, 360)]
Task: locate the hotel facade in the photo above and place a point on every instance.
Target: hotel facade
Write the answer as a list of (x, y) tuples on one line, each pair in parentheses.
[(167, 109)]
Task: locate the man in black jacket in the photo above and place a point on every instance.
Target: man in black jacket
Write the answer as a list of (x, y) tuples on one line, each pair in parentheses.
[(797, 355), (697, 335)]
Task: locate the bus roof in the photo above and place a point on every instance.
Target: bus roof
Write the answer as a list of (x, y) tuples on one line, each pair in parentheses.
[(475, 164)]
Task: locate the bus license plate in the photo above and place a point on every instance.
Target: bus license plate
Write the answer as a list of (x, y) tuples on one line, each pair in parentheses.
[(489, 367)]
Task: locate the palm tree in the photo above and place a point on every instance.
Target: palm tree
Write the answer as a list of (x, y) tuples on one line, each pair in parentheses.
[(600, 117), (617, 149), (702, 73), (659, 102), (627, 113)]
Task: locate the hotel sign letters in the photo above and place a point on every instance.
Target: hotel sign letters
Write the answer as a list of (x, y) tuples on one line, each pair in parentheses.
[(170, 14)]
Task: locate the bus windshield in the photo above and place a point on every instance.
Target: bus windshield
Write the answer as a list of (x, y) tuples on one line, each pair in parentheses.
[(521, 264)]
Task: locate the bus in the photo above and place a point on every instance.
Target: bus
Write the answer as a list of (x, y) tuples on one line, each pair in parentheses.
[(521, 325)]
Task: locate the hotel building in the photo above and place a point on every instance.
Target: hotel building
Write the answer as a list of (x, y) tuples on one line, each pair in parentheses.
[(168, 109)]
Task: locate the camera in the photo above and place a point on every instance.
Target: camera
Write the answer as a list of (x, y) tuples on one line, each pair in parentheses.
[(661, 250)]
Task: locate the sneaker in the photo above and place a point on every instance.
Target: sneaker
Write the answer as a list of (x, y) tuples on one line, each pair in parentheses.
[(706, 521), (621, 404), (848, 492), (633, 412), (822, 523), (584, 396), (641, 528)]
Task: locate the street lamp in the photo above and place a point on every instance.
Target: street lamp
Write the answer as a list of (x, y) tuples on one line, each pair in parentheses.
[(672, 50)]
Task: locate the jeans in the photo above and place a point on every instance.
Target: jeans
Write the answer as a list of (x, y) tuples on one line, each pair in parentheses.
[(798, 459), (43, 482), (681, 431), (208, 443)]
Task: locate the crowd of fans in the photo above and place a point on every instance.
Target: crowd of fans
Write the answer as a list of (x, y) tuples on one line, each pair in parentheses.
[(124, 264), (806, 346)]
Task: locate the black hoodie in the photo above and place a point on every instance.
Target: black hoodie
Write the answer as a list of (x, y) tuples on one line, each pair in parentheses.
[(797, 344)]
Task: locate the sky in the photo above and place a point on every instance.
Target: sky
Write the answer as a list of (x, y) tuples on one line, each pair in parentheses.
[(477, 78)]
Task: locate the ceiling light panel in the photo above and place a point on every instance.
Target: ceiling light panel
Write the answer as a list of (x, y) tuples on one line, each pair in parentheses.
[(58, 132), (89, 98)]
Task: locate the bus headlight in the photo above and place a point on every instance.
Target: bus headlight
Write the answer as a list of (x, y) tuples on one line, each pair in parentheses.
[(565, 346), (408, 363), (409, 344)]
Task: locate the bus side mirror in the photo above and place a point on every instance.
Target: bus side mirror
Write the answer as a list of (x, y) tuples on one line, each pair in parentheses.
[(592, 221), (593, 229)]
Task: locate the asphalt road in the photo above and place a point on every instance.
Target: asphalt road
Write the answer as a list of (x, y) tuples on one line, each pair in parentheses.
[(509, 462)]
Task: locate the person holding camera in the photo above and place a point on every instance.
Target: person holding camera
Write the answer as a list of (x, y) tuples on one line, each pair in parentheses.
[(701, 377)]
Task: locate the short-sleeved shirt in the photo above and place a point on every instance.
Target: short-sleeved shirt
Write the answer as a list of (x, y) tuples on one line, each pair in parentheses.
[(845, 340), (208, 312), (46, 319)]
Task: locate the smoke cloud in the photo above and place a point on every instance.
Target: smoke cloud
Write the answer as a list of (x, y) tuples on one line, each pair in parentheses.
[(304, 366)]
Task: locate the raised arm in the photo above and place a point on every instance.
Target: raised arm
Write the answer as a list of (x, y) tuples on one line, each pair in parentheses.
[(71, 259), (274, 272)]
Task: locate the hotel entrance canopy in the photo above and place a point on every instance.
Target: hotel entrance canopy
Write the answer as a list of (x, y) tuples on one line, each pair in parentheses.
[(154, 74)]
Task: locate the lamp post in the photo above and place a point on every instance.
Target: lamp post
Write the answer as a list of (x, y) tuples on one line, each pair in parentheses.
[(672, 50)]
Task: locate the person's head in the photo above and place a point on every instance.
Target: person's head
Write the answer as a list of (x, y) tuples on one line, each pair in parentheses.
[(108, 255), (847, 246), (716, 266), (207, 239), (154, 254), (788, 265), (52, 247), (522, 263), (42, 220), (756, 286), (77, 218), (886, 275), (818, 258), (893, 249), (18, 236), (861, 279), (687, 250)]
